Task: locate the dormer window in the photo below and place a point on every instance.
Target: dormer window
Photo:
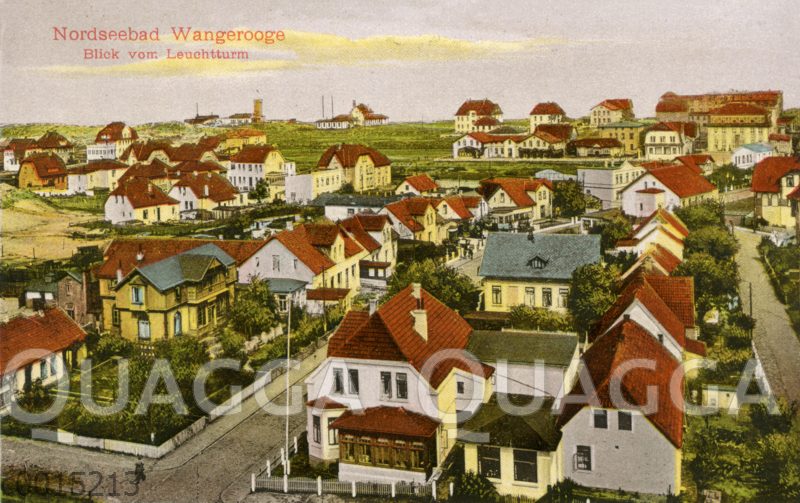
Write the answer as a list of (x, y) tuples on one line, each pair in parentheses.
[(537, 262)]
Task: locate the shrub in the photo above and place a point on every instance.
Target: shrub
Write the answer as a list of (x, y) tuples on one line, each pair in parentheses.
[(538, 318), (472, 487), (112, 345)]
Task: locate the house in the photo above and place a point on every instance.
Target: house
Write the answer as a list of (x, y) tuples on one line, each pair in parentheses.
[(472, 110), (156, 172), (340, 206), (43, 346), (661, 228), (547, 140), (98, 174), (628, 133), (747, 156), (775, 190), (782, 143), (187, 293), (418, 185), (199, 194), (462, 208), (536, 270), (343, 121), (606, 183), (654, 260), (139, 200), (555, 176), (111, 142), (487, 124), (149, 150), (674, 107), (378, 406), (302, 189), (488, 145), (43, 173), (701, 163), (363, 115), (68, 290), (416, 219), (202, 120), (18, 149), (668, 140), (236, 139), (375, 234), (611, 110), (515, 200), (546, 113), (254, 163), (596, 147), (734, 125), (668, 187), (604, 438), (362, 167)]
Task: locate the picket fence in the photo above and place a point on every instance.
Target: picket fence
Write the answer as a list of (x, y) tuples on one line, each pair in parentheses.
[(319, 487)]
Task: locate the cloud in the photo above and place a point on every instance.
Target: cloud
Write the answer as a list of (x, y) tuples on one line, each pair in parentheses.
[(304, 50)]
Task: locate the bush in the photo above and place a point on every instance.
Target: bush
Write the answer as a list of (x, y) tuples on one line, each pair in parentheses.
[(539, 318), (472, 487), (112, 345)]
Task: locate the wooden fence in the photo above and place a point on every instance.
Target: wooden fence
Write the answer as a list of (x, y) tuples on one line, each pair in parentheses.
[(318, 486)]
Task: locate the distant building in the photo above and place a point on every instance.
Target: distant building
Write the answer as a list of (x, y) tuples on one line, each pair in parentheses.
[(517, 200), (734, 125), (51, 142), (628, 133), (254, 163), (139, 200), (747, 156), (43, 173), (419, 185), (363, 115), (198, 195), (667, 187), (696, 107), (606, 183), (668, 140), (597, 147), (101, 174), (546, 113), (343, 121), (473, 110), (304, 188), (340, 206), (611, 110), (363, 167), (111, 142)]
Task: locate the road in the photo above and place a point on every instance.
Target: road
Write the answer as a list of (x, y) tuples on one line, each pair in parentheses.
[(776, 342), (213, 466)]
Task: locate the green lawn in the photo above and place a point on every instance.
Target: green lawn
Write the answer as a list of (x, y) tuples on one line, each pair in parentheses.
[(89, 204)]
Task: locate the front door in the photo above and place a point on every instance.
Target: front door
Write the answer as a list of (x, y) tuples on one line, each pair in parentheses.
[(144, 329)]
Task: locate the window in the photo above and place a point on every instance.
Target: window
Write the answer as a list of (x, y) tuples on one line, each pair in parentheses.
[(201, 315), (115, 316), (317, 431), (530, 296), (583, 458), (563, 294), (600, 418), (625, 421), (525, 466), (460, 387), (547, 297), (276, 263), (401, 381), (497, 295), (178, 294), (338, 381), (353, 374), (333, 434), (137, 295), (386, 384), (489, 461), (43, 369)]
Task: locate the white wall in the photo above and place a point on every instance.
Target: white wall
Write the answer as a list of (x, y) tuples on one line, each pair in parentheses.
[(600, 184), (118, 209), (631, 199), (260, 265), (336, 213), (299, 188)]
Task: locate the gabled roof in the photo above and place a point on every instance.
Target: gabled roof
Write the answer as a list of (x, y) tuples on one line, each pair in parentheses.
[(113, 132), (694, 161), (355, 226), (596, 143), (516, 188), (187, 267), (253, 154), (738, 109), (459, 205), (388, 334), (561, 131), (370, 222), (188, 152), (142, 150), (664, 216), (46, 165), (156, 170), (422, 182), (616, 104), (20, 145), (208, 185), (50, 330), (535, 430), (480, 107), (348, 155), (51, 139), (196, 167), (405, 210), (547, 108), (512, 255), (684, 128), (123, 253), (655, 256), (98, 165), (487, 121), (768, 172), (141, 193), (387, 420), (683, 181), (306, 241), (625, 342)]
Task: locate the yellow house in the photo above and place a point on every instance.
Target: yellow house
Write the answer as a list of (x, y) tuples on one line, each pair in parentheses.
[(517, 199), (416, 218), (44, 173), (536, 270), (363, 167), (185, 294), (138, 200), (472, 111), (734, 125), (776, 190), (628, 133), (661, 229), (200, 194), (237, 139)]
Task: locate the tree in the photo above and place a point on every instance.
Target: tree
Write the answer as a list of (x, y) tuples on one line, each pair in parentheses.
[(232, 343), (707, 465), (347, 188), (715, 281), (614, 230), (260, 191), (539, 318), (714, 241), (451, 287), (777, 465), (254, 310), (568, 199), (472, 487), (592, 292), (708, 213)]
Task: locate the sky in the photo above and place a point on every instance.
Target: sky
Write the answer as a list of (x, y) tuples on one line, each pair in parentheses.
[(413, 60)]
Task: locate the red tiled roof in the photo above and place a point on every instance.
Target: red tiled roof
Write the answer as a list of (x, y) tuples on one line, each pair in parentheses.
[(423, 182), (683, 181), (304, 240), (678, 293), (208, 185), (197, 167), (46, 165), (625, 343), (188, 152), (98, 165), (665, 216), (694, 161), (51, 139), (371, 223), (768, 172), (141, 193), (480, 107), (355, 227), (561, 131), (20, 146), (485, 138), (684, 128), (597, 143), (348, 155), (389, 335), (779, 137), (122, 253), (547, 108), (113, 132), (696, 347), (253, 154), (405, 210), (324, 403), (795, 194), (51, 330), (487, 121), (387, 420), (738, 109), (327, 294), (516, 188), (658, 254), (142, 150), (616, 104), (458, 205), (156, 170), (671, 106), (374, 263)]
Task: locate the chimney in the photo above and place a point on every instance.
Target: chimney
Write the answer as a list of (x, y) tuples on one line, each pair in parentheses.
[(627, 317), (419, 314), (354, 103), (140, 254), (289, 225), (119, 271), (373, 305), (661, 338), (150, 188), (205, 190)]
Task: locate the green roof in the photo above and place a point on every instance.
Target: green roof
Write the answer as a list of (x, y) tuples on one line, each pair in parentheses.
[(281, 285), (492, 425), (523, 347), (513, 256), (189, 266)]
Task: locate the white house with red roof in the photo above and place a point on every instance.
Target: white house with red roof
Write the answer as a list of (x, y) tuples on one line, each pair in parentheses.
[(667, 187), (139, 200), (776, 188), (363, 115), (376, 235), (416, 218), (547, 112), (473, 110), (611, 110), (462, 208), (199, 194), (42, 346), (512, 200), (385, 400), (419, 185), (668, 140), (111, 142)]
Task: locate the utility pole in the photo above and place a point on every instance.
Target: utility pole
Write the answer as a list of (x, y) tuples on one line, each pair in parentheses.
[(323, 106), (287, 467)]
